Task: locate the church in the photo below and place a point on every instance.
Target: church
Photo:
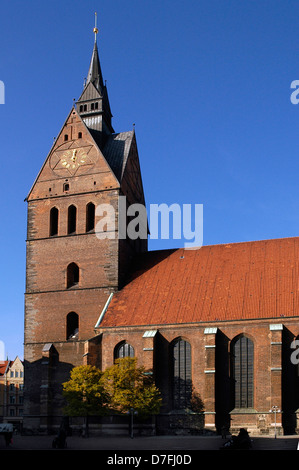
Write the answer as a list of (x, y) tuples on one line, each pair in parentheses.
[(216, 326)]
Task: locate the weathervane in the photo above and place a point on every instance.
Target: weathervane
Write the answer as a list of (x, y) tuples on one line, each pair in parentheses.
[(95, 29)]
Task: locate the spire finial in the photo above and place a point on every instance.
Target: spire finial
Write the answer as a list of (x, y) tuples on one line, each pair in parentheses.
[(95, 29)]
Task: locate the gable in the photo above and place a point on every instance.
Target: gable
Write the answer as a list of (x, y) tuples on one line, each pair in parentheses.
[(76, 157), (17, 364), (89, 93)]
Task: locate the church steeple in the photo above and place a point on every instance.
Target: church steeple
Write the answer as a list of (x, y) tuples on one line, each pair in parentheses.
[(95, 73), (93, 104)]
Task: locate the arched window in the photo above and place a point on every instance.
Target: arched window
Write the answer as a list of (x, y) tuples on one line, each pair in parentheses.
[(123, 349), (72, 326), (242, 369), (54, 221), (182, 377), (90, 217), (72, 220), (72, 275)]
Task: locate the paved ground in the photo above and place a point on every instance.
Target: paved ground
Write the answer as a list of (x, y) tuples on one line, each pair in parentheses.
[(154, 443)]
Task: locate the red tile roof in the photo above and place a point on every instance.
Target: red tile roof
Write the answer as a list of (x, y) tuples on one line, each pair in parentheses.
[(3, 366), (247, 280)]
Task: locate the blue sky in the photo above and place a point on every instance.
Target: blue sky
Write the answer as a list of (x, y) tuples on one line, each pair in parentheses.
[(207, 84)]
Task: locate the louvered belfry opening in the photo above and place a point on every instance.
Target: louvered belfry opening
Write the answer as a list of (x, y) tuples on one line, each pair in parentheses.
[(243, 372), (182, 378)]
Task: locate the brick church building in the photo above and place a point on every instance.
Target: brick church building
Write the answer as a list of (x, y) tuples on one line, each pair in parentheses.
[(217, 323)]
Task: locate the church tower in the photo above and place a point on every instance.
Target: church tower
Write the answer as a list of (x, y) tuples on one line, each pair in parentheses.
[(71, 270)]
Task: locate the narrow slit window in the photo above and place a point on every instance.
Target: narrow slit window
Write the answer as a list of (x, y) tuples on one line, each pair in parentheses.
[(54, 221), (90, 217), (72, 219), (72, 326), (72, 275)]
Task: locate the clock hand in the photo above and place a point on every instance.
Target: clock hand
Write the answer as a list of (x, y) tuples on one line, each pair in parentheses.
[(74, 156)]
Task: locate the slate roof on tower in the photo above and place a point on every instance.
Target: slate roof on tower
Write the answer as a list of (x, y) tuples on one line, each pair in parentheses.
[(95, 89), (116, 151), (95, 73)]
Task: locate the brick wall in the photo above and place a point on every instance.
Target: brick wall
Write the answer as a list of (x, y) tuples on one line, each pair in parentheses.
[(275, 377), (103, 263)]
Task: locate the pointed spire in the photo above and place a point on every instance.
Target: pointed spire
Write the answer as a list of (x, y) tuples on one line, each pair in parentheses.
[(93, 104), (95, 73)]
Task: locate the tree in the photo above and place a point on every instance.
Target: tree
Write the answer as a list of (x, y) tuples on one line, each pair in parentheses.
[(130, 387), (85, 393), (121, 388)]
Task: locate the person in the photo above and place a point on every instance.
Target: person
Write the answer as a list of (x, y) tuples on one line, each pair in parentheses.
[(224, 431), (60, 441), (8, 438), (241, 441)]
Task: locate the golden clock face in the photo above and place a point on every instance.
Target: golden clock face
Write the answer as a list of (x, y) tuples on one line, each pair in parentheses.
[(69, 159), (72, 159)]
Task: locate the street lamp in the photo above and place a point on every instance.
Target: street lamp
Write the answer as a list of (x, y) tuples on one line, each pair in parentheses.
[(274, 410)]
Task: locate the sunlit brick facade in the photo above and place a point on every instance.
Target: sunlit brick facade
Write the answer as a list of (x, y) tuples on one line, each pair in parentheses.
[(215, 326)]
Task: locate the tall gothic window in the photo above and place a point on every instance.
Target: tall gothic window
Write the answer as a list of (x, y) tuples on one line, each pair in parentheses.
[(53, 221), (72, 326), (123, 349), (90, 217), (72, 219), (72, 275), (242, 368), (182, 378)]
